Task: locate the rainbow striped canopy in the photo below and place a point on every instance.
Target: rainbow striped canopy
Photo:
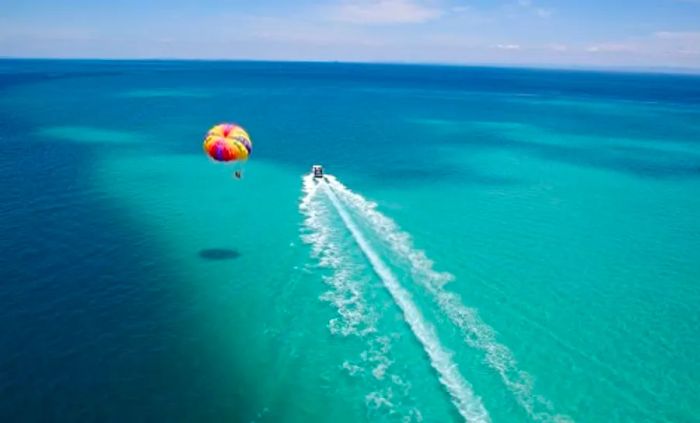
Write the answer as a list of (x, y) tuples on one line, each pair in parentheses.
[(227, 142)]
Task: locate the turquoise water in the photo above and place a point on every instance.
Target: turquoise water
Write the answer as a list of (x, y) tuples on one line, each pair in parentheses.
[(492, 245)]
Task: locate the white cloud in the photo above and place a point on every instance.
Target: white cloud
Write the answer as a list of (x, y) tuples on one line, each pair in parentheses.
[(38, 32), (544, 13), (527, 7), (684, 43), (508, 46), (660, 48), (461, 9), (558, 47), (678, 35), (610, 48), (384, 12), (657, 43)]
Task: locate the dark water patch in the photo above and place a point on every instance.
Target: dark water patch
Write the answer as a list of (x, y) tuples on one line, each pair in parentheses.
[(637, 161), (610, 119), (436, 171), (12, 80), (603, 153), (219, 254), (87, 134), (15, 72), (678, 166), (666, 127), (517, 81), (94, 327)]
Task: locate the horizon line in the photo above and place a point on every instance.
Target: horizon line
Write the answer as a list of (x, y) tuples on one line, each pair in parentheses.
[(675, 70)]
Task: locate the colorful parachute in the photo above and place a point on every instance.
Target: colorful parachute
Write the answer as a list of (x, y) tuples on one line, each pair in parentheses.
[(227, 142)]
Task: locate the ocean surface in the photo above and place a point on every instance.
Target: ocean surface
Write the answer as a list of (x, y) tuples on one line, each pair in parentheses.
[(492, 244)]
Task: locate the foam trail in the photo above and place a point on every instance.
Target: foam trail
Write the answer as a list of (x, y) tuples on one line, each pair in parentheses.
[(476, 333), (348, 281), (468, 404), (346, 293)]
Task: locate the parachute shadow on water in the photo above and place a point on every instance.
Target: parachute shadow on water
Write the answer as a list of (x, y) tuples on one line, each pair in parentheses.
[(219, 254)]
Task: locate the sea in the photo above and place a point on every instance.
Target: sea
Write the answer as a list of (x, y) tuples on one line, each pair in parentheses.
[(490, 244)]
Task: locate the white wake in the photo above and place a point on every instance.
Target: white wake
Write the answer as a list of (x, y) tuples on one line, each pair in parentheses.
[(475, 332), (347, 281), (467, 403)]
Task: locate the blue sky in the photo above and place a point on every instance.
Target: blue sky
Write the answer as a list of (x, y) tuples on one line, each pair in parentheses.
[(609, 33)]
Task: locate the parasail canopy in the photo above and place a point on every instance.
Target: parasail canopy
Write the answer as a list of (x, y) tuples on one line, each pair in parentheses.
[(228, 142)]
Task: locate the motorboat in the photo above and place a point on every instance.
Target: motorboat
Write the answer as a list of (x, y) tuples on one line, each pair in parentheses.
[(317, 170)]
